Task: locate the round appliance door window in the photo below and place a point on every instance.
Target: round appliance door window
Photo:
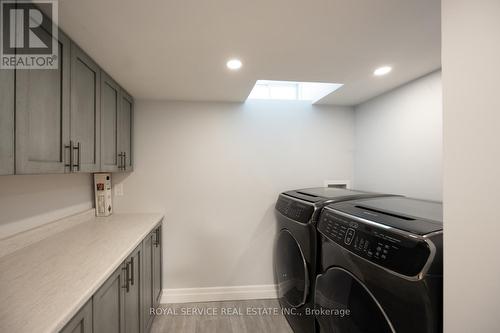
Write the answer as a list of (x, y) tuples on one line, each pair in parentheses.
[(344, 304), (291, 270)]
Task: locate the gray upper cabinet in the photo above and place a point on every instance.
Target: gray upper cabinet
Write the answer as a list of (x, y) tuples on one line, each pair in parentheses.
[(126, 130), (71, 119), (42, 116), (81, 322), (109, 302), (110, 108), (85, 111), (133, 294), (6, 121)]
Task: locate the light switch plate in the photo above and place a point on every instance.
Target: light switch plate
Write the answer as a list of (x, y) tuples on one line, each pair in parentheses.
[(119, 190)]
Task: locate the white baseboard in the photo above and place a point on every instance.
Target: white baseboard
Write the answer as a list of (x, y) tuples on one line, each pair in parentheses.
[(211, 294)]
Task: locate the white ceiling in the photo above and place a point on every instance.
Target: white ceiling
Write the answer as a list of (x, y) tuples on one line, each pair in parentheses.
[(165, 49)]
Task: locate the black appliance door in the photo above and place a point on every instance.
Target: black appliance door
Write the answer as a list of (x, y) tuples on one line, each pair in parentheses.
[(291, 270), (344, 305)]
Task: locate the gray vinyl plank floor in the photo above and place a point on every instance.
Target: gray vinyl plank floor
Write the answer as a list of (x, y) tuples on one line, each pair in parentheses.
[(250, 316)]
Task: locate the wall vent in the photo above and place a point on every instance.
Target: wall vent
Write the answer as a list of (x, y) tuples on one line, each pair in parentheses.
[(337, 183)]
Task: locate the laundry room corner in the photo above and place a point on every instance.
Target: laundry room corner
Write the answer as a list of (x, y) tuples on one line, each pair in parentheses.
[(215, 169), (399, 140)]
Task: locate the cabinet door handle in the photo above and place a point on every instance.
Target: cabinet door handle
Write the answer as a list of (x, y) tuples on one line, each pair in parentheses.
[(126, 269), (120, 165), (70, 147), (79, 157), (132, 271), (124, 160), (157, 238), (79, 148)]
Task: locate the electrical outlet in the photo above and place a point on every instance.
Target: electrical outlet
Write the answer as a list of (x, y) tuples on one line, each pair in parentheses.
[(119, 190)]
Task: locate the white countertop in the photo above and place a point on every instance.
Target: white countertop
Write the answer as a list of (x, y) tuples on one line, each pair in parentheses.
[(43, 285)]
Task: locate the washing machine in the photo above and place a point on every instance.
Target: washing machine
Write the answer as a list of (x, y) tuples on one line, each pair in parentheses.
[(295, 253), (381, 267)]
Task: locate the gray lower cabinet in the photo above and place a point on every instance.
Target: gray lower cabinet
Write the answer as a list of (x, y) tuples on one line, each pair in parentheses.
[(152, 259), (81, 322), (42, 116), (126, 130), (133, 292), (122, 304), (110, 108), (109, 304), (85, 111), (148, 299), (7, 121), (157, 265)]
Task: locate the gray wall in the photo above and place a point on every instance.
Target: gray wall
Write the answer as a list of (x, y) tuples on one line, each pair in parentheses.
[(471, 81), (30, 201), (216, 169), (398, 140)]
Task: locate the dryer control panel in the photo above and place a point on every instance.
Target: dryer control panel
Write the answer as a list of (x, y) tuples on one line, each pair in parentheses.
[(405, 255), (295, 210)]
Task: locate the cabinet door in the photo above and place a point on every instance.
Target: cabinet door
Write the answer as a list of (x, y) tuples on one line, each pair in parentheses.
[(157, 265), (125, 128), (85, 111), (81, 322), (109, 301), (110, 102), (147, 286), (42, 116), (6, 121), (133, 315)]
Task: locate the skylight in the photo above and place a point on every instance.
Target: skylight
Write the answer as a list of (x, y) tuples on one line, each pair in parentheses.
[(291, 90)]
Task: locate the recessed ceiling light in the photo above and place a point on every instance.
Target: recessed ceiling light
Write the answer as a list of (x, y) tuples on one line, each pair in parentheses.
[(234, 64), (382, 70)]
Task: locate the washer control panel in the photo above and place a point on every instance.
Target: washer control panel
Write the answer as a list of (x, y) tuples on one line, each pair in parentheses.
[(404, 255)]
